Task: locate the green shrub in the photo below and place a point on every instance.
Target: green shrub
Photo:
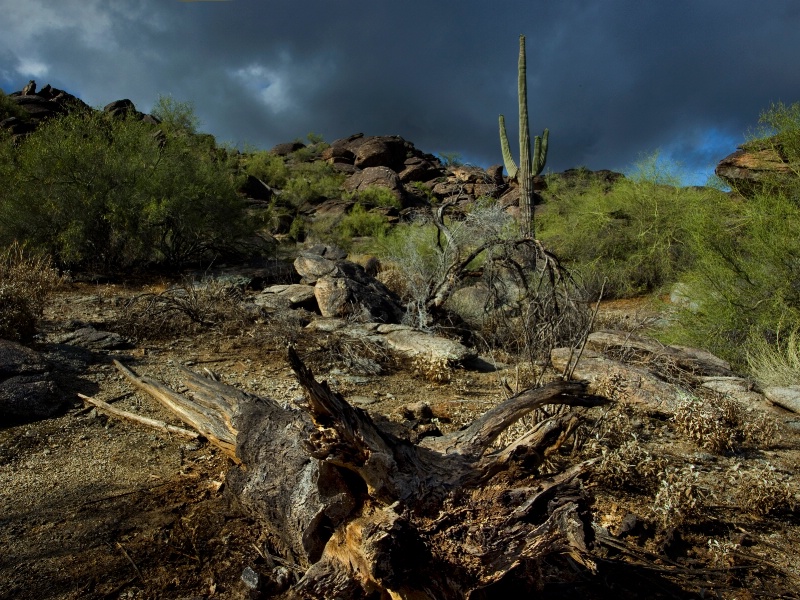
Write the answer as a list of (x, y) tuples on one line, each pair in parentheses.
[(105, 193), (175, 116), (312, 183), (633, 235), (744, 287), (376, 196), (269, 168), (745, 284), (26, 281), (8, 108), (781, 128), (361, 223), (777, 361)]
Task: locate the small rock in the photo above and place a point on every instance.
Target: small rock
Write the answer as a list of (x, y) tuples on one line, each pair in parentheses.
[(251, 579), (417, 410)]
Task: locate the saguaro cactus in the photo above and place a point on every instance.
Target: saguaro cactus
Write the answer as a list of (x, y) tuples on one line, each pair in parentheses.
[(529, 167)]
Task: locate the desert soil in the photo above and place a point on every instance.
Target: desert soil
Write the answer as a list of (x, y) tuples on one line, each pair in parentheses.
[(95, 507)]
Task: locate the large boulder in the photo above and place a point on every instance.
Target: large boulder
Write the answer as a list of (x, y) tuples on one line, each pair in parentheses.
[(382, 151), (292, 296), (417, 168), (336, 155), (413, 343), (287, 148), (92, 339), (375, 177), (38, 107), (255, 188), (349, 292), (27, 391), (120, 108), (311, 266), (787, 398)]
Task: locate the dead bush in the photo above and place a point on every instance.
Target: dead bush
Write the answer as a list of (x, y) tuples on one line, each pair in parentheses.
[(432, 369), (722, 426), (357, 355), (182, 308), (625, 462), (629, 466), (763, 491), (679, 496), (26, 281)]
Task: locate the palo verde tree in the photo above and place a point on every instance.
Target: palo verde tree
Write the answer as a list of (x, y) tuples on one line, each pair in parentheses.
[(529, 166), (103, 193)]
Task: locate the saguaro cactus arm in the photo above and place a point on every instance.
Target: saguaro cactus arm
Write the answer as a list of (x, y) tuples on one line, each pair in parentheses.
[(508, 159), (540, 152)]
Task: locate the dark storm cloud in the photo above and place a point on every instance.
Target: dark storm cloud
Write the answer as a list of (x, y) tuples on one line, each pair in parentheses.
[(612, 80)]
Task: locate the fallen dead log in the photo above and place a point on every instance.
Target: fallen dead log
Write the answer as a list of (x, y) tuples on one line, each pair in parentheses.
[(361, 512)]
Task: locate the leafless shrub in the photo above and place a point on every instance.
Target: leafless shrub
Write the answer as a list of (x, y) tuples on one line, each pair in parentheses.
[(180, 308), (357, 355), (26, 281), (549, 315)]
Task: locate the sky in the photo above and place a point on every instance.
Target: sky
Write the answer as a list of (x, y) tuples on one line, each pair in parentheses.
[(614, 81)]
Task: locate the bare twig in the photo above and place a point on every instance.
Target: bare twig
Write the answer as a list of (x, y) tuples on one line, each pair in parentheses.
[(154, 423)]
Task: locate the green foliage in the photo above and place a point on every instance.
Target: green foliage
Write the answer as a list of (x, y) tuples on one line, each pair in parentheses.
[(269, 168), (175, 115), (777, 361), (633, 235), (743, 292), (310, 152), (376, 196), (9, 108), (450, 159), (312, 183), (784, 122), (101, 193), (26, 281), (361, 223), (297, 230), (744, 284)]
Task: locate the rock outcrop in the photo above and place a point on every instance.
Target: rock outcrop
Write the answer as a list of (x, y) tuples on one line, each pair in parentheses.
[(50, 102), (754, 164), (344, 289)]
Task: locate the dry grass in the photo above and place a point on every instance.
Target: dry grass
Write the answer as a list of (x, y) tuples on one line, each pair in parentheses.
[(775, 364), (26, 281)]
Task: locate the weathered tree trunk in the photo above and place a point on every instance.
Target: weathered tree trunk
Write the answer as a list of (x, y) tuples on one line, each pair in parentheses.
[(361, 512)]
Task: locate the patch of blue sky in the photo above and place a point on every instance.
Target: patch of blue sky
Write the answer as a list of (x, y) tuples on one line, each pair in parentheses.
[(692, 157)]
